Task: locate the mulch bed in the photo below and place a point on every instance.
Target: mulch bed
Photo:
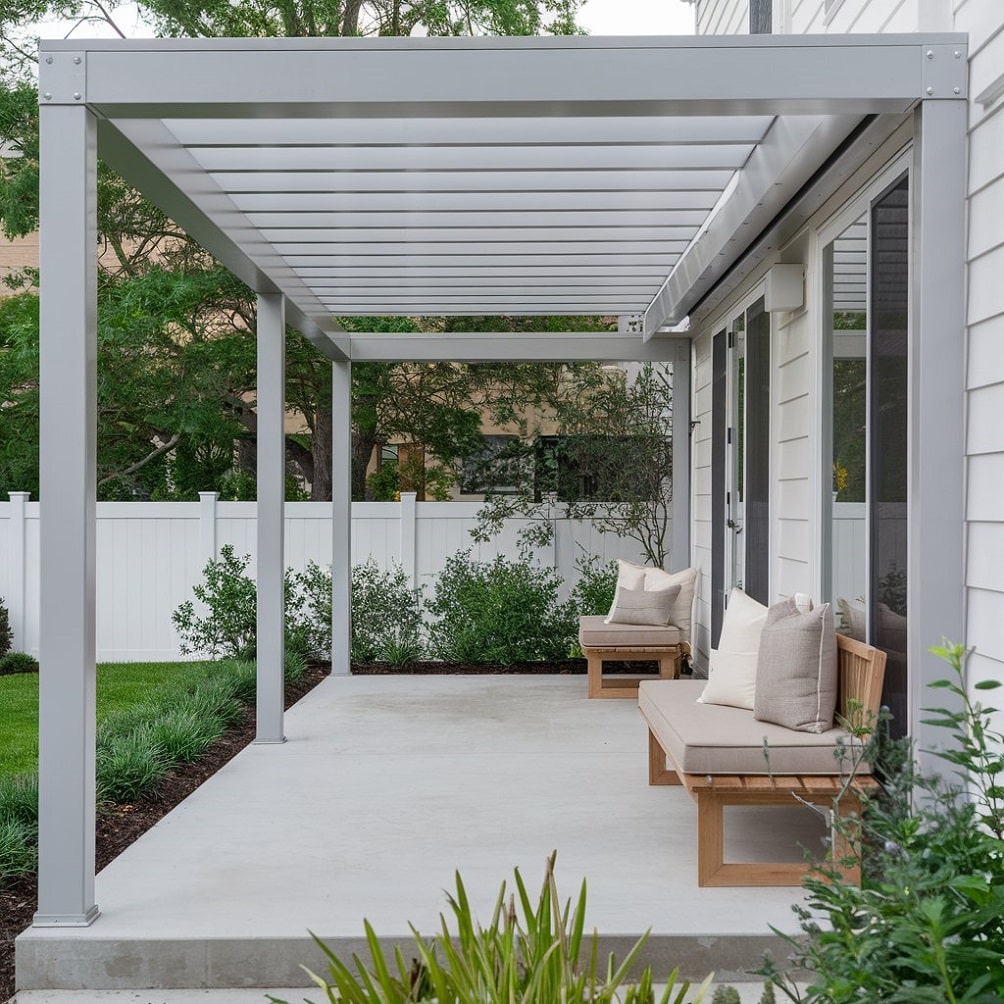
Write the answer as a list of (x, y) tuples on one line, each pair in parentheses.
[(119, 825)]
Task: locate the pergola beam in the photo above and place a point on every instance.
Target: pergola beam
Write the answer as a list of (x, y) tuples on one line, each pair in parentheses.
[(524, 346), (505, 77)]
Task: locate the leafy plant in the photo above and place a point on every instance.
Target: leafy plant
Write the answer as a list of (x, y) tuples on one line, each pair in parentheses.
[(499, 612), (927, 923), (184, 735), (531, 953), (593, 592), (18, 849), (230, 626), (386, 615), (308, 611), (129, 765), (18, 662), (6, 634)]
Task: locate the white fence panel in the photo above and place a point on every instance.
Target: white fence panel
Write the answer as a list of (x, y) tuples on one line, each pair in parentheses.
[(151, 554)]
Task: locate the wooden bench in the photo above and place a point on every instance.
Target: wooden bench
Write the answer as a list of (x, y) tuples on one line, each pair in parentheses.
[(861, 670), (602, 643)]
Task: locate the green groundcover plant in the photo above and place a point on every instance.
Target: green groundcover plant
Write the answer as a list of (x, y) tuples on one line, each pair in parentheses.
[(926, 926)]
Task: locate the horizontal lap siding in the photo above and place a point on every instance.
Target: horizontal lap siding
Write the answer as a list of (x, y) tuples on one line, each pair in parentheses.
[(984, 21), (793, 567), (701, 491)]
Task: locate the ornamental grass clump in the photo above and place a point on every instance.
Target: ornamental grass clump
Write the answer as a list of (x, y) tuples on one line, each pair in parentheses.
[(531, 953), (926, 926), (18, 826)]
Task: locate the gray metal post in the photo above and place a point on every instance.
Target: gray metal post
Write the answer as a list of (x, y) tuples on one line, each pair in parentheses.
[(341, 517), (679, 554), (271, 499), (935, 581), (67, 491)]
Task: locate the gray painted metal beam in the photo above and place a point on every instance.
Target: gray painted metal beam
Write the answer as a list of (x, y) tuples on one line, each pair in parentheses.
[(791, 152), (67, 493), (341, 518), (537, 346), (271, 436), (508, 77), (936, 450)]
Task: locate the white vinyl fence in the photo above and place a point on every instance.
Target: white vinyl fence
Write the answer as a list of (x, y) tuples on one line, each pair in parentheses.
[(150, 554)]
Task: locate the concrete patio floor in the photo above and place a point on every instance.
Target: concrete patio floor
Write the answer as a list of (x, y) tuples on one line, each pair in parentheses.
[(385, 787)]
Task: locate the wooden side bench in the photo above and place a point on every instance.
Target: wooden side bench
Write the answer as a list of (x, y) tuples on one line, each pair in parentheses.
[(601, 642), (861, 670)]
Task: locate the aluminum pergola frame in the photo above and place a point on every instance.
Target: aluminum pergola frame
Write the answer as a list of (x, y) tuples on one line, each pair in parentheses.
[(523, 124)]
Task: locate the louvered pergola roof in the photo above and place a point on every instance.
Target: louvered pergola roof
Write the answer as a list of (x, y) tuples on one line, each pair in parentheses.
[(483, 176)]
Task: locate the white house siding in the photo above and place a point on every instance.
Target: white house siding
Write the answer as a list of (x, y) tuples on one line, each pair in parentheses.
[(984, 21), (701, 491), (794, 547)]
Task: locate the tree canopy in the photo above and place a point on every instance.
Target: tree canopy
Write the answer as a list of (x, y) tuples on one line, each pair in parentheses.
[(176, 346)]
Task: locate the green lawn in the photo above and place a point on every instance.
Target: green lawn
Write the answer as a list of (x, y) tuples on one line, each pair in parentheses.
[(120, 685)]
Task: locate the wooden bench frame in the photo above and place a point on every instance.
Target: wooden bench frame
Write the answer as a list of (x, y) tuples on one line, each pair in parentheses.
[(861, 671), (669, 658)]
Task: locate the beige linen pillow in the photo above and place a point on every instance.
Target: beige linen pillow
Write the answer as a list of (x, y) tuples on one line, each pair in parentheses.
[(658, 578), (732, 667), (796, 681), (651, 607), (629, 575)]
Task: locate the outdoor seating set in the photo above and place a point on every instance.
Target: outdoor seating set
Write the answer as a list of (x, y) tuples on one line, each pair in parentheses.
[(781, 717)]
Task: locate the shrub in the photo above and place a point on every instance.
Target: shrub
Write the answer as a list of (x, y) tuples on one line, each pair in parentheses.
[(230, 627), (6, 635), (295, 667), (593, 592), (308, 611), (184, 735), (499, 612), (927, 923), (129, 766), (386, 615), (535, 954), (18, 662)]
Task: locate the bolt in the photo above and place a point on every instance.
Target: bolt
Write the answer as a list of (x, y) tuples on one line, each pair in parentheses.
[(930, 90), (958, 54), (958, 90), (930, 53), (76, 95), (76, 59), (47, 96), (48, 59)]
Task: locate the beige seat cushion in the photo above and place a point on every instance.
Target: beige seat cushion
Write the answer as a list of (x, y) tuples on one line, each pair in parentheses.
[(595, 633), (715, 739)]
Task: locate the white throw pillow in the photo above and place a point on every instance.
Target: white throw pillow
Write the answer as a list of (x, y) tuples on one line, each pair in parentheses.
[(731, 679), (651, 607), (629, 575), (733, 665)]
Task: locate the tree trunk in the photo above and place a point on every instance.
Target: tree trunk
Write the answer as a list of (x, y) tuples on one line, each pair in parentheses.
[(320, 448), (362, 451)]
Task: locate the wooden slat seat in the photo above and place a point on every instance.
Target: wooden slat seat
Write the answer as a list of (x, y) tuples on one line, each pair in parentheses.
[(861, 669)]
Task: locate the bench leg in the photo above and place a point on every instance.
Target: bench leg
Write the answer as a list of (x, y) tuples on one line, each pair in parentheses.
[(659, 772), (594, 673), (713, 870)]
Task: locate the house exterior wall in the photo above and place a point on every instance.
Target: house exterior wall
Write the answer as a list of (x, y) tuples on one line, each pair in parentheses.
[(795, 368)]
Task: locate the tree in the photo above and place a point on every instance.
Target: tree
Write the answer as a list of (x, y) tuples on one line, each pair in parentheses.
[(198, 351), (610, 461)]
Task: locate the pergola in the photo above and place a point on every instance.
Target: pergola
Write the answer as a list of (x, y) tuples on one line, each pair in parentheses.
[(636, 177)]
